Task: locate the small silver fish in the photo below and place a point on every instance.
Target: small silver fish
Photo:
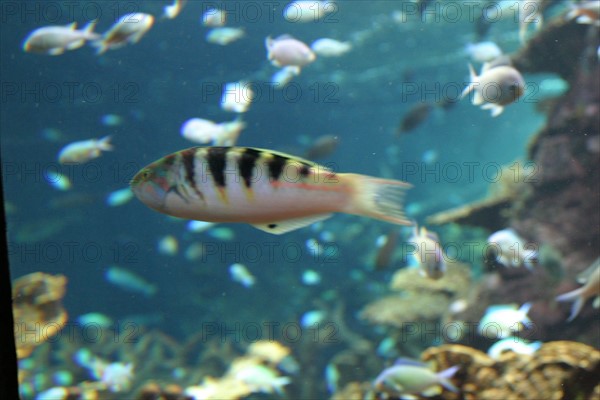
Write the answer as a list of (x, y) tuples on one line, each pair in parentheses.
[(430, 255), (498, 85), (274, 192), (55, 40), (412, 377), (84, 150)]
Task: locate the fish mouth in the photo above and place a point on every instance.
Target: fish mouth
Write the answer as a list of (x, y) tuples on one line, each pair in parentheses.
[(148, 191)]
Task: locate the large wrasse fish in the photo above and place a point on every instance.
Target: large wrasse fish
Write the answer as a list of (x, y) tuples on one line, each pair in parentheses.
[(272, 191)]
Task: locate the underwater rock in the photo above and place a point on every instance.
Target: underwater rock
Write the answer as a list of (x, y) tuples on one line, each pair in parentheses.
[(38, 310), (486, 213), (553, 49), (558, 370)]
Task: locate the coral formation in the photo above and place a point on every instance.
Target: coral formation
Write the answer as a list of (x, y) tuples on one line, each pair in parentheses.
[(561, 370), (558, 370), (432, 296), (37, 309)]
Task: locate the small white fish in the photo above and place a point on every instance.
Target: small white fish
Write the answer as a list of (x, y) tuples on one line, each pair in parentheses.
[(214, 18), (128, 29), (84, 150), (286, 50), (237, 97), (502, 320), (284, 76), (495, 87), (225, 35), (311, 277), (119, 197), (239, 273), (116, 376), (412, 377), (585, 12), (330, 47), (129, 281), (199, 226), (58, 180), (230, 132), (429, 253), (591, 288), (511, 250), (483, 51), (515, 344), (199, 130), (168, 245), (171, 11), (55, 40), (99, 319), (307, 10), (311, 319)]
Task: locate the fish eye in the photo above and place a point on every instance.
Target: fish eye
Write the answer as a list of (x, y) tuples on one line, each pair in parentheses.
[(146, 174)]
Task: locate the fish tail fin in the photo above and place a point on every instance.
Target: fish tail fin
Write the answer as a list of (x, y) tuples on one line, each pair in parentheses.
[(576, 296), (377, 198), (89, 28), (101, 46), (525, 308), (472, 82), (444, 378), (105, 144)]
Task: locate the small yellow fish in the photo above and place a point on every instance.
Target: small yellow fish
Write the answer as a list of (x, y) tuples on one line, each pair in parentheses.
[(272, 191), (84, 150)]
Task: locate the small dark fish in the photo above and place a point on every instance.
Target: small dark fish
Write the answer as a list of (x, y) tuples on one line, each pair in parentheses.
[(414, 117), (423, 4), (482, 23), (383, 258), (322, 147)]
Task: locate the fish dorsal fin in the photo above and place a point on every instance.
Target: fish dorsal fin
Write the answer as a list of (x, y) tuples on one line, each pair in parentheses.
[(409, 362), (291, 158), (280, 227)]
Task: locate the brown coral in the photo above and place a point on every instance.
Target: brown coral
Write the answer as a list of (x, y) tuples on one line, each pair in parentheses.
[(422, 299), (558, 370), (37, 309)]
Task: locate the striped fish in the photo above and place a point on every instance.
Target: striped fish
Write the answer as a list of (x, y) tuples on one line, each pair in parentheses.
[(272, 191)]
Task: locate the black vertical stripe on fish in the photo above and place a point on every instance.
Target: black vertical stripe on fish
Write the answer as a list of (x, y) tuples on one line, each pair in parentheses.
[(276, 165), (187, 158), (304, 170), (217, 161), (246, 165)]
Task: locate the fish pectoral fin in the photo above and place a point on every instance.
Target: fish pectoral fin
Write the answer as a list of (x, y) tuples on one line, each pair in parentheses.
[(76, 44), (56, 51), (495, 108), (288, 225)]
